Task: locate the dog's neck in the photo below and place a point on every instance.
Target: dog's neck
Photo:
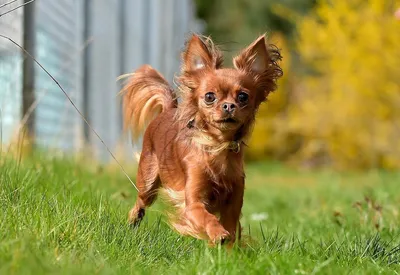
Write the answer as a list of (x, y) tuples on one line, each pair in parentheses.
[(212, 143)]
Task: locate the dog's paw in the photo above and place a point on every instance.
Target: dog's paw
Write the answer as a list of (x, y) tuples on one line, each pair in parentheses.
[(217, 233), (135, 217)]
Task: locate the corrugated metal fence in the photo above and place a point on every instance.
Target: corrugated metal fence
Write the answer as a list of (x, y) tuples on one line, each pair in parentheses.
[(86, 45), (58, 42), (10, 72)]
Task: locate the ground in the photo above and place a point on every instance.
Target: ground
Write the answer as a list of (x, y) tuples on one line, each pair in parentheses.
[(59, 216)]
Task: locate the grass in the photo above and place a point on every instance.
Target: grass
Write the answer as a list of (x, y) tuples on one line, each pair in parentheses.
[(60, 217)]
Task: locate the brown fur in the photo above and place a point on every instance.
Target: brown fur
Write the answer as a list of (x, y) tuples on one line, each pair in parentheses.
[(192, 150)]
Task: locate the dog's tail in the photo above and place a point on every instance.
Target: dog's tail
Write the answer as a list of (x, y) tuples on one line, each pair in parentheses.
[(145, 95)]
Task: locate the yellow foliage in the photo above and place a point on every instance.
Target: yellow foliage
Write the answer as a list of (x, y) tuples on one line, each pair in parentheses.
[(349, 110), (346, 110)]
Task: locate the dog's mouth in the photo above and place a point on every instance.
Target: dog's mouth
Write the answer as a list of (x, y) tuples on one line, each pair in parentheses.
[(229, 120)]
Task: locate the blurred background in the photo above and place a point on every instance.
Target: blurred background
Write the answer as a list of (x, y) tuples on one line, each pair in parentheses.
[(338, 104)]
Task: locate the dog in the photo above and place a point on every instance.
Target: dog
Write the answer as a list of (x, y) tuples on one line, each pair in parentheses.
[(193, 149)]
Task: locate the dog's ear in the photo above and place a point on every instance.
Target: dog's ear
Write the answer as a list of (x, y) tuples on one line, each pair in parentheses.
[(254, 58), (260, 62), (200, 54)]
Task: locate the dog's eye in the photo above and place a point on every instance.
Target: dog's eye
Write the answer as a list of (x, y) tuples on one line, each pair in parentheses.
[(209, 97), (243, 97)]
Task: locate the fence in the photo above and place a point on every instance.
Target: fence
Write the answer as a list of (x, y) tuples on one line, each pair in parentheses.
[(86, 45)]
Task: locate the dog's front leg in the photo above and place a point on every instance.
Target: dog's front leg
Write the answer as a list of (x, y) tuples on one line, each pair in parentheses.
[(231, 211), (200, 219)]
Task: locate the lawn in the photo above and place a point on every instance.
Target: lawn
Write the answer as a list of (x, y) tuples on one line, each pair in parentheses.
[(62, 217)]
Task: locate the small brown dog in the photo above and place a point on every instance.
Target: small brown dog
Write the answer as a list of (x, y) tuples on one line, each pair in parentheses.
[(193, 150)]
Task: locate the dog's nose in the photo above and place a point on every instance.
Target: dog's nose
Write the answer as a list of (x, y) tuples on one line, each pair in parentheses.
[(228, 107)]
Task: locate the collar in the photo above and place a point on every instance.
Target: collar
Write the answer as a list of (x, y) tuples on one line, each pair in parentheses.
[(234, 146)]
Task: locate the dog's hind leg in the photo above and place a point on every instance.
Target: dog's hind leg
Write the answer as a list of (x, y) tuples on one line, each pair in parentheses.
[(148, 183)]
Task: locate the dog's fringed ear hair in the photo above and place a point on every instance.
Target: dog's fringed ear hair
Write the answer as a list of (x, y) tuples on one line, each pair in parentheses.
[(261, 62), (200, 55)]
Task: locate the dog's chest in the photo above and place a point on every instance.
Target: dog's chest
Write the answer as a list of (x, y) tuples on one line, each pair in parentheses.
[(225, 169), (223, 179)]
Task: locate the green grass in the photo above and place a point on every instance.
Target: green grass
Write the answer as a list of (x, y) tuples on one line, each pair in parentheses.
[(60, 217)]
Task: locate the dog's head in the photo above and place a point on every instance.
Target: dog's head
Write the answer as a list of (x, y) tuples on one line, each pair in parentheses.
[(224, 101)]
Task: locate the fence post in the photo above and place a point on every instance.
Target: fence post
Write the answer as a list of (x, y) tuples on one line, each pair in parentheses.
[(87, 32), (28, 90), (122, 51)]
